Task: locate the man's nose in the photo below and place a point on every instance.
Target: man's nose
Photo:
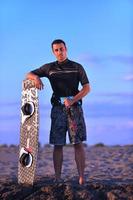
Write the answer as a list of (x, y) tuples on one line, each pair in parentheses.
[(59, 51)]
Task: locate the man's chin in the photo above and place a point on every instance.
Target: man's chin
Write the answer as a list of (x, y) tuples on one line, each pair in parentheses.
[(61, 60)]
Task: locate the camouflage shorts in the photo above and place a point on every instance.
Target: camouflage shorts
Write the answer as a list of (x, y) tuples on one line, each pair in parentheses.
[(60, 126)]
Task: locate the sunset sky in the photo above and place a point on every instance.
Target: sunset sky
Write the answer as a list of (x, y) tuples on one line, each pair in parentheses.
[(98, 35)]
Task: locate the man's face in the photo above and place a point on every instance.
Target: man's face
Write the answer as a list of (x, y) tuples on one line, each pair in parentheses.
[(60, 52)]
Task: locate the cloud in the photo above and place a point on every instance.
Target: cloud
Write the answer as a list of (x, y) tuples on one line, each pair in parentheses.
[(9, 103), (124, 59), (128, 77), (108, 110), (110, 131), (130, 123), (116, 94), (106, 122), (91, 58)]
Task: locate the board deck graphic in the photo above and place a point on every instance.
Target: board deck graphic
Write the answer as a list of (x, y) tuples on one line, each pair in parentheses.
[(71, 119), (29, 133), (72, 123)]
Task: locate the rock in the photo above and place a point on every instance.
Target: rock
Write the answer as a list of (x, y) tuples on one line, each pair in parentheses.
[(47, 190), (111, 196)]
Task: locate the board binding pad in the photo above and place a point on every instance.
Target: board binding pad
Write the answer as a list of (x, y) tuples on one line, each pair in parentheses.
[(29, 132)]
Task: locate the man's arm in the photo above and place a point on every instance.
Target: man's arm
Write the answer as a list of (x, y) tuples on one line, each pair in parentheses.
[(37, 81), (82, 93)]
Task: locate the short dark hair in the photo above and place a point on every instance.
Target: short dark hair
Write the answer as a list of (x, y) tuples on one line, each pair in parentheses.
[(58, 41)]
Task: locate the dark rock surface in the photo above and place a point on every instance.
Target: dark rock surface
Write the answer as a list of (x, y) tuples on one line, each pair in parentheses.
[(47, 190)]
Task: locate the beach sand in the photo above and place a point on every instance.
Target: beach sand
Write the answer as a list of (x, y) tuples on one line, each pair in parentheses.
[(108, 174)]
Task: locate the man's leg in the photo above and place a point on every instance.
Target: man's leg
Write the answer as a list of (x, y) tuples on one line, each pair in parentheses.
[(58, 159), (80, 161)]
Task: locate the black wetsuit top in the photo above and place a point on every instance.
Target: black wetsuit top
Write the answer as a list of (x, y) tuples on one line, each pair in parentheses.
[(64, 77)]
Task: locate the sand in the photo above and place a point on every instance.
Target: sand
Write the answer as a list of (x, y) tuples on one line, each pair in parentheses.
[(108, 174)]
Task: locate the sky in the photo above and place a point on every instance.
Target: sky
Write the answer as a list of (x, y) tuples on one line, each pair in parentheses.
[(98, 35)]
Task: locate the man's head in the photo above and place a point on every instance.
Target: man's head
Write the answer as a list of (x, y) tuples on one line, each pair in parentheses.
[(59, 49)]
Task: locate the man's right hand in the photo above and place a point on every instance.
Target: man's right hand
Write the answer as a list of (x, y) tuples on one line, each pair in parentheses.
[(37, 81)]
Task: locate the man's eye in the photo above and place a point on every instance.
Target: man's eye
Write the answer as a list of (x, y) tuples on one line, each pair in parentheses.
[(60, 49)]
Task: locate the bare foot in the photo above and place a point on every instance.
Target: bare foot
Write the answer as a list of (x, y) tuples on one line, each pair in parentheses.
[(81, 180)]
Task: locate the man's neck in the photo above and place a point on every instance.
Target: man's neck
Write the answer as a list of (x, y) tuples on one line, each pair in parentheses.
[(61, 62)]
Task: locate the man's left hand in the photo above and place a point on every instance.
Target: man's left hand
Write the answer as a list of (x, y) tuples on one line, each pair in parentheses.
[(68, 102)]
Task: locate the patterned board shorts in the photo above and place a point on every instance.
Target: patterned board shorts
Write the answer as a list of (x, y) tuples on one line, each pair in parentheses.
[(60, 126)]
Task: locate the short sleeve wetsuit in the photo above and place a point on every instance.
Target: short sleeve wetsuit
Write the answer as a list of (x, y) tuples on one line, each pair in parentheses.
[(64, 77)]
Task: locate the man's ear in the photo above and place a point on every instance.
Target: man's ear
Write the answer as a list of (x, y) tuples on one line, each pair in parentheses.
[(66, 48), (52, 51)]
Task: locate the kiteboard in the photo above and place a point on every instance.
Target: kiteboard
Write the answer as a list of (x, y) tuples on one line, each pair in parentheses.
[(29, 133)]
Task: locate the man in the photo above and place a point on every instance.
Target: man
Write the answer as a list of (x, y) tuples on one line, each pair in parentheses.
[(64, 76)]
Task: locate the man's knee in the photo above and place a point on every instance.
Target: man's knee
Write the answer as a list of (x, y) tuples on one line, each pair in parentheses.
[(78, 146)]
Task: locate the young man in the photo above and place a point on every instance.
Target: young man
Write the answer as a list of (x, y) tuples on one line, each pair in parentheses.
[(65, 76)]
